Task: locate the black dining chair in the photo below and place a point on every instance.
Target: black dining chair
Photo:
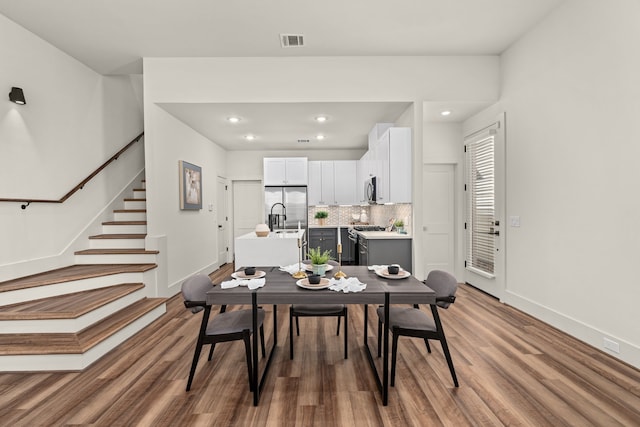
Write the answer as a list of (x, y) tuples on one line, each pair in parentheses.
[(413, 322), (317, 310), (225, 326)]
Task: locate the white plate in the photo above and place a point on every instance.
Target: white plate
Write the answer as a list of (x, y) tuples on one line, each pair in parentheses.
[(304, 283), (309, 267), (241, 275), (402, 274)]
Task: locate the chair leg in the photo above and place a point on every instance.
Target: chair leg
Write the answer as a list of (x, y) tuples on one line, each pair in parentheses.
[(264, 350), (297, 326), (338, 330), (247, 350), (443, 342), (426, 342), (379, 337), (196, 356), (394, 354), (346, 353), (291, 333), (213, 346)]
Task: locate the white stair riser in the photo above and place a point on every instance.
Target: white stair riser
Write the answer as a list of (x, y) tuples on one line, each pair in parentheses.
[(115, 259), (139, 194), (137, 204), (38, 292), (116, 243), (124, 229), (129, 216), (45, 326), (77, 362)]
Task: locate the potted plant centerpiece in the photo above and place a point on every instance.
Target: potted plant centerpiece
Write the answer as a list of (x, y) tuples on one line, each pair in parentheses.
[(319, 260), (321, 216)]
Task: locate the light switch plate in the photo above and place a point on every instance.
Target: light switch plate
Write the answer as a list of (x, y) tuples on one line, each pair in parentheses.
[(514, 221), (210, 207)]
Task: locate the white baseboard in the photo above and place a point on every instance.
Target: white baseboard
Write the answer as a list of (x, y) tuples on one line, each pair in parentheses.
[(629, 352)]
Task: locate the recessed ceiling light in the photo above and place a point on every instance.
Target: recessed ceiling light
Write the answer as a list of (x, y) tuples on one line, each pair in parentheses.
[(250, 137), (445, 113), (233, 119), (320, 137), (321, 119)]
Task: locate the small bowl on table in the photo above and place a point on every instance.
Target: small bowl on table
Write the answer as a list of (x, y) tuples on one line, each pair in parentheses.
[(314, 279), (393, 269), (249, 271)]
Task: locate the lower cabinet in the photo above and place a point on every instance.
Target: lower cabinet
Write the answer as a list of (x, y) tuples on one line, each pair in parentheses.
[(385, 252), (325, 239)]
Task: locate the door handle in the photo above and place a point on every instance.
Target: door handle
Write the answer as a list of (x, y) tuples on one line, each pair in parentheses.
[(219, 226)]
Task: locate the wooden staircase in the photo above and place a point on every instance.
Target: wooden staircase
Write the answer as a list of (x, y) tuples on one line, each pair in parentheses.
[(66, 319)]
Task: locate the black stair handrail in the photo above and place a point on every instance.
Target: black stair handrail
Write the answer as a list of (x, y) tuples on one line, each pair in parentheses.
[(26, 201)]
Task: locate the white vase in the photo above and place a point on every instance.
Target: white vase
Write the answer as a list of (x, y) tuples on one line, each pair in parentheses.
[(319, 268)]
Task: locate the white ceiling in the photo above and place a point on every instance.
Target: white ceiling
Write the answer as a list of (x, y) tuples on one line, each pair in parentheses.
[(112, 37)]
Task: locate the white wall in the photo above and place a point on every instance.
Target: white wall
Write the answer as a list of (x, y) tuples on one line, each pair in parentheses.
[(74, 120), (571, 93), (306, 79)]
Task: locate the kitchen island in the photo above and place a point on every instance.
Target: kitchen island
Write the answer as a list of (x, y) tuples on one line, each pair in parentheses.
[(280, 247)]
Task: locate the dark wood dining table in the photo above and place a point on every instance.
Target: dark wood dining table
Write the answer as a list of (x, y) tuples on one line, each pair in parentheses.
[(280, 288)]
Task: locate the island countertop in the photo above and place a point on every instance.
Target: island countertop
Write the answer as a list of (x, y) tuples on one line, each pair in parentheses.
[(276, 249), (383, 235)]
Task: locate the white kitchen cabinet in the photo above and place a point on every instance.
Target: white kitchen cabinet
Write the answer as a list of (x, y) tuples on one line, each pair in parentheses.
[(345, 182), (332, 183), (320, 189), (394, 166), (285, 170)]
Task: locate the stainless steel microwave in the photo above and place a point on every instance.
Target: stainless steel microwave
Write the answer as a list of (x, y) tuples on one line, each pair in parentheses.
[(370, 189)]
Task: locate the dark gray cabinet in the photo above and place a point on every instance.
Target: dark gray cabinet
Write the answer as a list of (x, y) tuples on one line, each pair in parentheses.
[(325, 239), (385, 252)]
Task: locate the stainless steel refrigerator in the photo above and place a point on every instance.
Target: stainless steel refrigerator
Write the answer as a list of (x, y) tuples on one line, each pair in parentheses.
[(285, 206)]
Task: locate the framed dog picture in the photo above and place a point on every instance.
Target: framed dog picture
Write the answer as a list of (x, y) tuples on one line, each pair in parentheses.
[(190, 186)]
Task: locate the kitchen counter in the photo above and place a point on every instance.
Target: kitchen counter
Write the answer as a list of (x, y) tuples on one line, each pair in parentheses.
[(276, 249), (372, 235)]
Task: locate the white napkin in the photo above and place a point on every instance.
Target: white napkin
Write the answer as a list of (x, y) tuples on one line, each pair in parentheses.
[(376, 267), (352, 284), (249, 283), (293, 268)]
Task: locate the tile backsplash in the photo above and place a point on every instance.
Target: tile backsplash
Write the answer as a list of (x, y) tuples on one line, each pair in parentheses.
[(376, 214)]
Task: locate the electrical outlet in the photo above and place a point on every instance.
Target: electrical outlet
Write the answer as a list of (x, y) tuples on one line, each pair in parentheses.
[(611, 345), (514, 221)]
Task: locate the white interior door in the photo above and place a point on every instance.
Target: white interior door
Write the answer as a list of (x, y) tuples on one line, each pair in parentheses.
[(223, 221), (438, 210), (491, 279), (248, 199)]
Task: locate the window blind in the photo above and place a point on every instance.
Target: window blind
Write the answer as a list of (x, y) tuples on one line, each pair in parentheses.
[(480, 190)]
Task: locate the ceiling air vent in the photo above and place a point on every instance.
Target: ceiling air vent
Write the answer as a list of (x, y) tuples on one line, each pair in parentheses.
[(304, 140), (292, 40)]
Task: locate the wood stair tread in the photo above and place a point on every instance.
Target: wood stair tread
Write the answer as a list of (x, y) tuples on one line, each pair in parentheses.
[(68, 306), (73, 272), (124, 251), (118, 236), (124, 223), (76, 343), (135, 200), (129, 210)]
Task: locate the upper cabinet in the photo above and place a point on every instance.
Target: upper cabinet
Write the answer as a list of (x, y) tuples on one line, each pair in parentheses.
[(332, 182), (285, 171), (393, 166)]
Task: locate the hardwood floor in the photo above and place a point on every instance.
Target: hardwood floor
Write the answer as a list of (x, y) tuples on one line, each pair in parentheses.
[(513, 370)]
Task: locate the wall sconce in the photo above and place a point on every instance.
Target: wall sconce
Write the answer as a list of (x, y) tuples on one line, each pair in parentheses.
[(16, 95)]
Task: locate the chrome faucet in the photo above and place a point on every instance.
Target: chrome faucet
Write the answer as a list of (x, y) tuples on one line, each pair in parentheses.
[(275, 219)]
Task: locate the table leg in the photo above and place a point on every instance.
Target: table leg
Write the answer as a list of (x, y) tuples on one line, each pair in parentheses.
[(385, 357), (254, 313)]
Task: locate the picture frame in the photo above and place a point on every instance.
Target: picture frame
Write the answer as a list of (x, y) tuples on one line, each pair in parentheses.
[(190, 186)]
